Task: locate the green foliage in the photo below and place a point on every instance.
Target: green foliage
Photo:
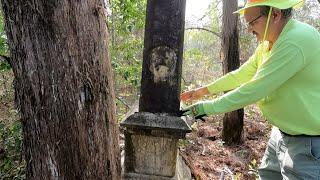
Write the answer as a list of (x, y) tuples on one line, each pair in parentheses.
[(126, 25), (126, 61), (3, 37), (12, 165), (3, 45), (214, 15), (5, 66), (128, 15), (126, 28)]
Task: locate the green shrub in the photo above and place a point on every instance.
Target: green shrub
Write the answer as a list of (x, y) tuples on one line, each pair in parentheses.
[(12, 164)]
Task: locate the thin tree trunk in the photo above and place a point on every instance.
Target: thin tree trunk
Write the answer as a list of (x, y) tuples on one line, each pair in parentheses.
[(64, 88), (232, 132), (112, 28)]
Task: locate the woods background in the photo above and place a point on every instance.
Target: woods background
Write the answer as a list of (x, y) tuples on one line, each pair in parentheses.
[(125, 20)]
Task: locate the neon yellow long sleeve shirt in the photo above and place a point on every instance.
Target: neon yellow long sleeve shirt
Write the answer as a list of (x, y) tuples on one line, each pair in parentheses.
[(284, 82)]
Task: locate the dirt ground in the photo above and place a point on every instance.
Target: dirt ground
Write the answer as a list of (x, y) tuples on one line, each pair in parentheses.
[(208, 157)]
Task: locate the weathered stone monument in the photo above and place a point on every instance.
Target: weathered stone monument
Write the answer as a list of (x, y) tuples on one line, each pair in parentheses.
[(152, 134)]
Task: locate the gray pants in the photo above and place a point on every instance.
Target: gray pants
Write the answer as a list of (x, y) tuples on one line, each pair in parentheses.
[(290, 158)]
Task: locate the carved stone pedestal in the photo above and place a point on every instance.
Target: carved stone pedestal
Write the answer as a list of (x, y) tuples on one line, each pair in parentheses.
[(151, 146)]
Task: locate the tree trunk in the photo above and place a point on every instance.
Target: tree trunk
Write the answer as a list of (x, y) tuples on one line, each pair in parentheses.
[(64, 88), (232, 132)]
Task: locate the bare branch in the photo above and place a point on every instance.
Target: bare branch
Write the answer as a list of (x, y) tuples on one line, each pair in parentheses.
[(123, 102), (4, 59), (183, 79), (204, 29)]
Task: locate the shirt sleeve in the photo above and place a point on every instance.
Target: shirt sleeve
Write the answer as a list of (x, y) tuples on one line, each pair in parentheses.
[(283, 63), (235, 78)]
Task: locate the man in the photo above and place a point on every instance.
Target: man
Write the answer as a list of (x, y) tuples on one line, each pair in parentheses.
[(283, 78)]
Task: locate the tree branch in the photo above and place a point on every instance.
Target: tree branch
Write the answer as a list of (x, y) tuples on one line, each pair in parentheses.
[(123, 102), (204, 29), (5, 59)]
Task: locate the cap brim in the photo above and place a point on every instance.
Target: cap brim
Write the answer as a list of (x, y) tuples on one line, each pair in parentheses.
[(240, 11), (295, 5)]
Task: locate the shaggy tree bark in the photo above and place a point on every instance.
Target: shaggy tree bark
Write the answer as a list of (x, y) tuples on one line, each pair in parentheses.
[(232, 132), (64, 88)]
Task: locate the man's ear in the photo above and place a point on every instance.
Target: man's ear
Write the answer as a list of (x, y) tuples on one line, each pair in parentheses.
[(276, 15)]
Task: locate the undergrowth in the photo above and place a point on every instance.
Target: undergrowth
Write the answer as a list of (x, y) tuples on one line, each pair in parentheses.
[(12, 163)]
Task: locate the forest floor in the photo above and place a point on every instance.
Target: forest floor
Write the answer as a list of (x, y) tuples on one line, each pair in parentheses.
[(6, 97), (209, 158)]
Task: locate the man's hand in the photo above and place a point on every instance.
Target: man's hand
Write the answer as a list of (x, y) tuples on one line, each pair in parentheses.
[(194, 94), (195, 110)]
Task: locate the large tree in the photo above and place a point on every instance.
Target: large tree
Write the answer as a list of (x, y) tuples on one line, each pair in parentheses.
[(64, 88), (232, 132)]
